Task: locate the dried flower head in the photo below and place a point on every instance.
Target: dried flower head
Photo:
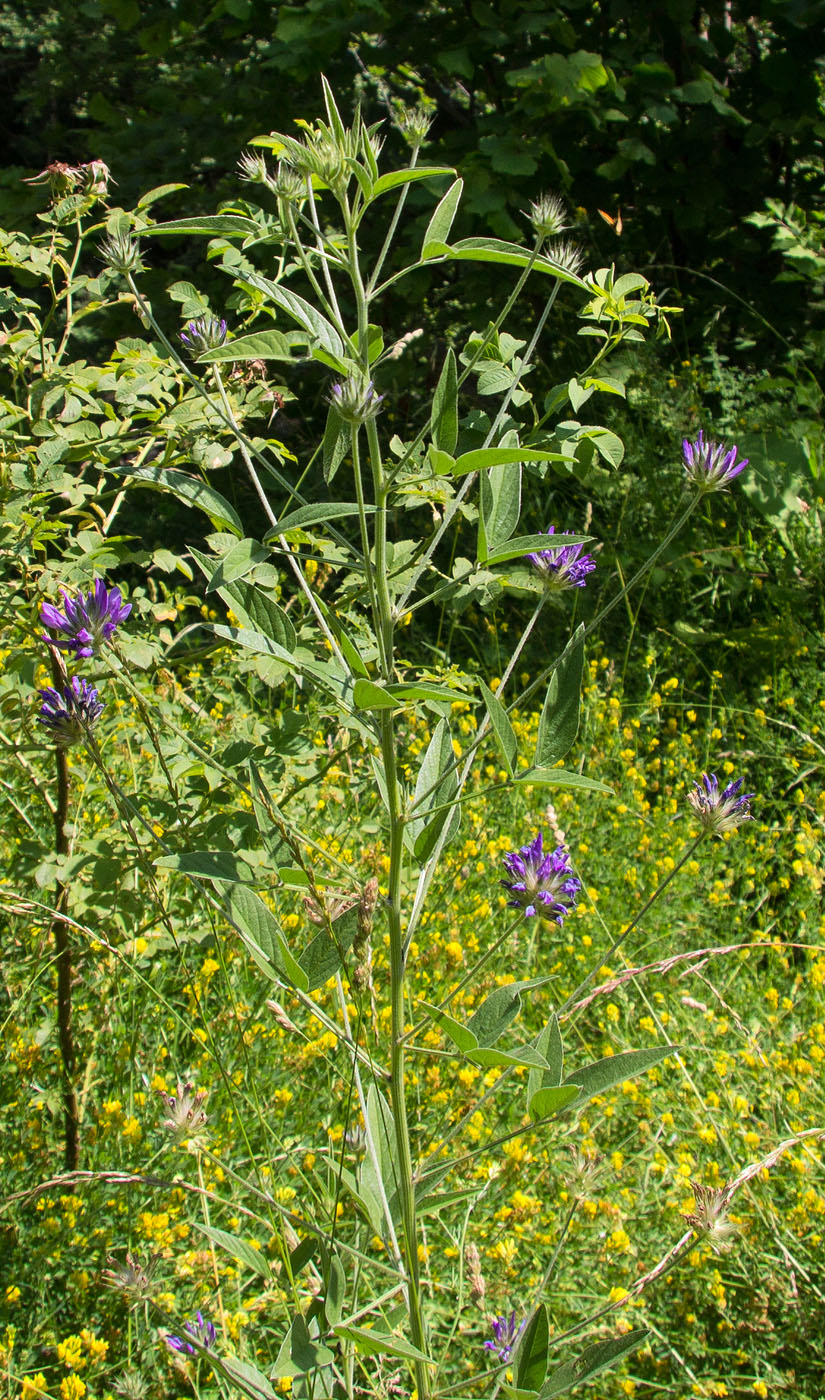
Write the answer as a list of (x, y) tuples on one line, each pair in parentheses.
[(69, 714), (506, 1332), (566, 255), (720, 811), (95, 178), (87, 621), (131, 1386), (709, 1215), (206, 333), (542, 883), (709, 465), (355, 399), (355, 1138), (131, 1278), (563, 566), (199, 1332), (548, 215), (186, 1115), (475, 1277)]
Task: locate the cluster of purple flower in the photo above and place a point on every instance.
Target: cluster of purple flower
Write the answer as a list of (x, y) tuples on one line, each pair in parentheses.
[(86, 622)]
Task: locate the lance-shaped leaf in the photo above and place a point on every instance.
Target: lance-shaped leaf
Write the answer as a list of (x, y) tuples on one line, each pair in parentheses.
[(560, 777), (263, 936), (438, 229), (369, 1342), (325, 955), (189, 489), (336, 443), (531, 1357), (602, 1075), (444, 415), (559, 722), (502, 728), (299, 1352), (500, 499), (549, 1045), (523, 545), (261, 345), (590, 1362), (435, 788), (245, 1253), (248, 1379), (316, 325), (240, 560), (213, 226), (394, 178)]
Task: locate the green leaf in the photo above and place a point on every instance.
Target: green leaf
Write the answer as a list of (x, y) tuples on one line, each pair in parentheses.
[(336, 1293), (551, 1100), (604, 1074), (189, 489), (214, 226), (307, 317), (336, 444), (239, 1249), (372, 1343), (299, 1353), (261, 345), (324, 956), (500, 500), (240, 560), (561, 777), (206, 865), (496, 1013), (263, 935), (482, 458), (523, 545), (438, 229), (444, 415), (589, 1362), (559, 722), (502, 728), (249, 1380), (159, 192), (442, 463), (462, 1038), (549, 1045), (531, 1357), (436, 786), (496, 250), (394, 178), (315, 515), (260, 612), (369, 696)]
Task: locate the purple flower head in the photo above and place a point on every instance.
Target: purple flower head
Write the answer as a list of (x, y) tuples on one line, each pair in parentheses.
[(69, 713), (506, 1332), (200, 1331), (207, 333), (564, 566), (542, 883), (709, 465), (355, 400), (720, 811), (87, 621)]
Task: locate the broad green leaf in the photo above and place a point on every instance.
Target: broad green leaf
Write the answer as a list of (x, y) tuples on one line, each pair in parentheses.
[(549, 1044), (240, 560), (261, 345), (604, 1074), (496, 1013), (207, 865), (525, 1055), (551, 1100), (306, 315), (324, 956), (589, 1362), (239, 1249), (315, 515), (607, 444), (257, 642), (214, 226), (561, 777), (373, 1343), (482, 458), (262, 934), (441, 462), (249, 1380), (159, 192), (502, 728), (424, 690), (444, 414), (394, 178), (438, 229), (496, 250), (382, 1134), (523, 545), (559, 722), (369, 696), (531, 1357), (189, 489)]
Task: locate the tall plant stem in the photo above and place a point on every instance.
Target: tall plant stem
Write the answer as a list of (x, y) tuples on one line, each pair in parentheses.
[(63, 946)]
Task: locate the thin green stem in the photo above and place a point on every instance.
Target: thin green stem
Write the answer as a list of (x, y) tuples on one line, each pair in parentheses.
[(387, 244)]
